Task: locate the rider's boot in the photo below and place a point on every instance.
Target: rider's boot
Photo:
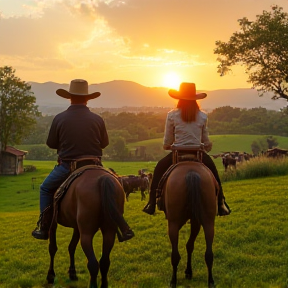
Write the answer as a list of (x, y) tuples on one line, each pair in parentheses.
[(223, 208), (151, 205), (43, 225), (126, 232)]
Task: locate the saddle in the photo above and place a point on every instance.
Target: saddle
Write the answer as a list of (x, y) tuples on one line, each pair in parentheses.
[(187, 153), (75, 174), (75, 164), (179, 154), (61, 191)]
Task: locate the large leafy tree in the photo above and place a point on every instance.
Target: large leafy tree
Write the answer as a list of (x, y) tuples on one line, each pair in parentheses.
[(262, 48), (18, 111)]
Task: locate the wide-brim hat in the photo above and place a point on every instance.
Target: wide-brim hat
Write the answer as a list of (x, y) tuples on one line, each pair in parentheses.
[(187, 91), (78, 87)]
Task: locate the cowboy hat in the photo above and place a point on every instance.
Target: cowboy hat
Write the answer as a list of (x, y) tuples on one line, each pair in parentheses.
[(187, 91), (78, 87)]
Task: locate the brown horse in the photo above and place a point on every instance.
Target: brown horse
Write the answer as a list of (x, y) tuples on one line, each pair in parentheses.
[(190, 194), (89, 205)]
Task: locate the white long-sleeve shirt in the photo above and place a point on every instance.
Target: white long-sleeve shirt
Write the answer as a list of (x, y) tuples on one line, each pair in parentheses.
[(179, 133)]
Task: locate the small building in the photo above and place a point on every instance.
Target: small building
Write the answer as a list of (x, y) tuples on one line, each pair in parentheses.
[(140, 151), (12, 161), (276, 152)]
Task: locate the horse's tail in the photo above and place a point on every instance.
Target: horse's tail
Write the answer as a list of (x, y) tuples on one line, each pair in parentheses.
[(194, 194), (108, 196)]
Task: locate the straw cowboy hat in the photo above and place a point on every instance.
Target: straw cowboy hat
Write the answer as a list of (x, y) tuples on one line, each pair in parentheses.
[(187, 91), (78, 87)]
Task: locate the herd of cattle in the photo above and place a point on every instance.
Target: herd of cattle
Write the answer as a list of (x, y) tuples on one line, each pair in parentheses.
[(133, 183), (142, 181), (230, 159)]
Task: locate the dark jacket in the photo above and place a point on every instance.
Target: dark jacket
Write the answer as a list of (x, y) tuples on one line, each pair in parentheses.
[(77, 132)]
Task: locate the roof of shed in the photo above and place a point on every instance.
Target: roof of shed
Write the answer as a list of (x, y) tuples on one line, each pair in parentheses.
[(14, 151)]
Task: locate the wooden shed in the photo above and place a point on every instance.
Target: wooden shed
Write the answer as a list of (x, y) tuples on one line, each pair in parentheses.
[(12, 161)]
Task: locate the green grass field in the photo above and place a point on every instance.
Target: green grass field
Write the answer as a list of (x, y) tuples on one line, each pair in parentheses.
[(221, 143), (250, 246)]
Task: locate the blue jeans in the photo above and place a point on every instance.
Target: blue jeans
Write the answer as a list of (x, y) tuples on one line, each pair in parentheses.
[(52, 182)]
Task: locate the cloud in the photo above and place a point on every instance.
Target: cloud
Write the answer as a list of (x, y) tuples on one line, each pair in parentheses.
[(116, 39)]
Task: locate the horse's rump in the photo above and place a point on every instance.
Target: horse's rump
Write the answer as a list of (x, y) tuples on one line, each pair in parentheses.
[(87, 198), (190, 191)]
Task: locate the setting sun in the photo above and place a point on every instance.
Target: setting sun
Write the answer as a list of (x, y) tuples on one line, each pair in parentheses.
[(171, 80)]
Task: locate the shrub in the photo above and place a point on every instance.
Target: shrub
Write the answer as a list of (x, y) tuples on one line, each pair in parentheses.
[(29, 168), (258, 167), (41, 152)]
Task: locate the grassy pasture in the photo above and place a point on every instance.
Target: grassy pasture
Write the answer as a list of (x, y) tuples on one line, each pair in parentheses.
[(250, 246), (221, 143)]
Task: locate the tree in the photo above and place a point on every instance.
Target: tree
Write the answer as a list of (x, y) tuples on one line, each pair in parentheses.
[(272, 142), (262, 48), (18, 111), (259, 146)]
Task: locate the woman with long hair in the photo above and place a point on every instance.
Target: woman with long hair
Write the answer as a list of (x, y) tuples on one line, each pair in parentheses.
[(185, 125)]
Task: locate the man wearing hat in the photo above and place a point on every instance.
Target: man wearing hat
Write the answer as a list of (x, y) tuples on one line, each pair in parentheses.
[(185, 125), (75, 133)]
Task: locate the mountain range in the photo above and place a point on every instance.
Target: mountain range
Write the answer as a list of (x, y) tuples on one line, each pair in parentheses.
[(120, 93)]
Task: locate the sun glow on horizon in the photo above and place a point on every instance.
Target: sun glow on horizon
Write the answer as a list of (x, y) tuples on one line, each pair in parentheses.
[(171, 80)]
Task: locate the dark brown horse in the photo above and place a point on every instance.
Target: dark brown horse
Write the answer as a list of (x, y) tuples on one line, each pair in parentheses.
[(89, 205), (190, 194)]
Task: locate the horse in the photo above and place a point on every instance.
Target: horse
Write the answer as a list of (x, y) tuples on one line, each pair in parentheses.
[(91, 202), (190, 193)]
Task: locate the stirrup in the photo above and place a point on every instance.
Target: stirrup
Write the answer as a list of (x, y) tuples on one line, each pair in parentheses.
[(40, 234), (127, 235), (149, 209), (223, 209)]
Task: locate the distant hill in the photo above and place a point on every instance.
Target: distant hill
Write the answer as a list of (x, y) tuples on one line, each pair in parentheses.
[(119, 93)]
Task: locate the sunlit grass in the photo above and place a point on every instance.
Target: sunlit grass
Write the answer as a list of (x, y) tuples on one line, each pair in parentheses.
[(250, 245)]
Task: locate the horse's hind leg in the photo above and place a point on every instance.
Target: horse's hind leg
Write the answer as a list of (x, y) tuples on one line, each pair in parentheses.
[(92, 265), (108, 243), (173, 231), (209, 236), (52, 251), (72, 247), (195, 228)]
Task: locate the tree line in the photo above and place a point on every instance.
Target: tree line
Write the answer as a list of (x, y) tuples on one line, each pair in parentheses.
[(126, 127), (145, 126)]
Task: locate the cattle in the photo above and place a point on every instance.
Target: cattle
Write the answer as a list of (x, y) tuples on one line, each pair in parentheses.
[(133, 183), (130, 183), (230, 159)]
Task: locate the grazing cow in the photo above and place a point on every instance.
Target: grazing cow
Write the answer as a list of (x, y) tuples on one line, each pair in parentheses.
[(228, 161), (133, 183), (129, 183), (145, 185)]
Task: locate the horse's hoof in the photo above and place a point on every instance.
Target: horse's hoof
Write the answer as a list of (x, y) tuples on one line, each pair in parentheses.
[(50, 279), (188, 276), (50, 276), (73, 277), (211, 285), (172, 285)]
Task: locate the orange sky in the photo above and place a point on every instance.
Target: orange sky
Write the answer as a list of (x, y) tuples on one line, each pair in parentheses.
[(136, 40)]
